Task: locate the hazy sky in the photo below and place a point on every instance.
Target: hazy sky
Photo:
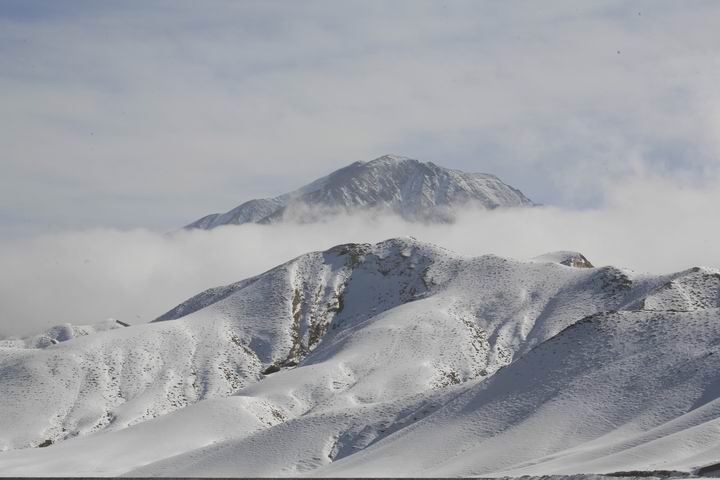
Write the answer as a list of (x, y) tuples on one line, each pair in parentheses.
[(123, 120), (151, 114)]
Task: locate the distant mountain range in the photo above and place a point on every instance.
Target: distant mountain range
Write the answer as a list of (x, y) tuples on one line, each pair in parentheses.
[(415, 190), (394, 359)]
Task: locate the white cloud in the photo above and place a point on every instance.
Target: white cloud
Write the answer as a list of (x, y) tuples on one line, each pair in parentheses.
[(83, 277), (154, 114)]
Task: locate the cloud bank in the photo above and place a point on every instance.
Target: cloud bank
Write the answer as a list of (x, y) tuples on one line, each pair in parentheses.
[(152, 114), (648, 225)]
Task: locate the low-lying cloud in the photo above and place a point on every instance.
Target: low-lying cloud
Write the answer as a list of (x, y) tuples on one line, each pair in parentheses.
[(83, 277)]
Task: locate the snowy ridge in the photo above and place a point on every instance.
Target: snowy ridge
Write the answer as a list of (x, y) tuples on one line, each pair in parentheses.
[(60, 333), (404, 186), (356, 360)]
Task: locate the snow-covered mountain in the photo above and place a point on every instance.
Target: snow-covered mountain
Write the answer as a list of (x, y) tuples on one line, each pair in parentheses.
[(412, 189), (399, 358)]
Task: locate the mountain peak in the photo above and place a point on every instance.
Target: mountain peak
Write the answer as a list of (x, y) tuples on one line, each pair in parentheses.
[(565, 257), (394, 160), (417, 191), (391, 158)]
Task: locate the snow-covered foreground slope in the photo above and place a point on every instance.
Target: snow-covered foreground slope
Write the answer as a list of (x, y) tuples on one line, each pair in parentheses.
[(392, 359), (619, 391), (400, 185)]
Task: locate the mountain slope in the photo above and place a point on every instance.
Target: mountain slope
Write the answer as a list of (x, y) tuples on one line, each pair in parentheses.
[(595, 398), (374, 352), (407, 187), (615, 392)]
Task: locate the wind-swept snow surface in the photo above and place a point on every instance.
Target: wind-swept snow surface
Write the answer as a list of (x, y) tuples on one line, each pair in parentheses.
[(407, 187), (398, 359)]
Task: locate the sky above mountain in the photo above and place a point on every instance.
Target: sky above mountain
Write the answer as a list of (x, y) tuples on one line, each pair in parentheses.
[(151, 114)]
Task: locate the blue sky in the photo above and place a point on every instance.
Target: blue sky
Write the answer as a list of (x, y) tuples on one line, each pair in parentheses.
[(151, 114)]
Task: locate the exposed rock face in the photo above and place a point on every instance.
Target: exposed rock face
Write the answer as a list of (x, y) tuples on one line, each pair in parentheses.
[(415, 190)]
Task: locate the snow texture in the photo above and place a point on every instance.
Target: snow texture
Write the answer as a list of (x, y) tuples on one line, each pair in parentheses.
[(394, 359)]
